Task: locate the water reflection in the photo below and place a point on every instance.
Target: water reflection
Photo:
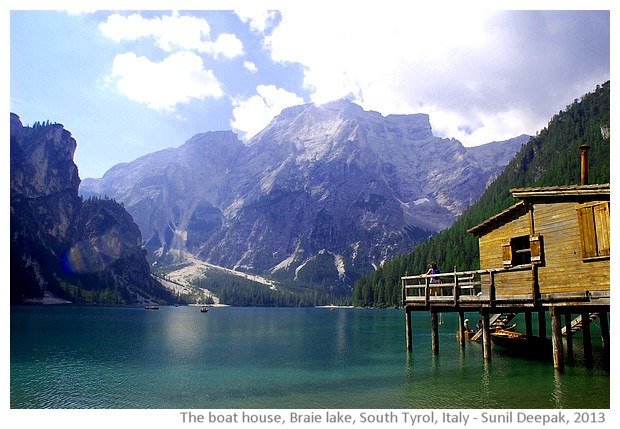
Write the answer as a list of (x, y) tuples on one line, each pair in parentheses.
[(181, 343), (485, 381), (340, 338), (558, 393)]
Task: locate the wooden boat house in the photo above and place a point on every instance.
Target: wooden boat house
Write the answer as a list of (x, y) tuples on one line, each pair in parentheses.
[(550, 252)]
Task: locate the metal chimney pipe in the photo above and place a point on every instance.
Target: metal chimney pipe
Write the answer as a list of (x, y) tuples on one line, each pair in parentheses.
[(584, 163)]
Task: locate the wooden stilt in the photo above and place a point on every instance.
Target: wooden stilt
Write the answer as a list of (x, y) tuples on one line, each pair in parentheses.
[(605, 335), (408, 329), (587, 338), (486, 337), (542, 324), (528, 323), (556, 336), (434, 333), (568, 320), (462, 328)]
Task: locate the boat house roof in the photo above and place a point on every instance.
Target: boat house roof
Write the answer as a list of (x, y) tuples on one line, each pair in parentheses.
[(547, 194)]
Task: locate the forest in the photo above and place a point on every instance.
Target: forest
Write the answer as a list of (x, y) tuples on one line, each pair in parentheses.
[(551, 157), (241, 292)]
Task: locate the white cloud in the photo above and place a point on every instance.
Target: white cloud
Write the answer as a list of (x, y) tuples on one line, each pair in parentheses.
[(370, 57), (253, 114), (480, 75), (227, 45), (258, 20), (179, 78), (250, 66), (172, 33)]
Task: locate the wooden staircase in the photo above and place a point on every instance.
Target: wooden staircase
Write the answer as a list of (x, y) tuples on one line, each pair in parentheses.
[(498, 321), (577, 323)]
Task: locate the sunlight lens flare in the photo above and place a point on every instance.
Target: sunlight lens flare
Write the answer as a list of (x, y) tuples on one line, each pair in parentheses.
[(93, 255)]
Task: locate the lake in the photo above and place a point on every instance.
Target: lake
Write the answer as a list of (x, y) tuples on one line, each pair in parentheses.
[(282, 358)]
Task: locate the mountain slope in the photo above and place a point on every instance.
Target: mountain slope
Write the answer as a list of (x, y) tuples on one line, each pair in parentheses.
[(323, 194)]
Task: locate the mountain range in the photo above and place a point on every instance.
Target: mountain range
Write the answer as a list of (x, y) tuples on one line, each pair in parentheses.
[(322, 195)]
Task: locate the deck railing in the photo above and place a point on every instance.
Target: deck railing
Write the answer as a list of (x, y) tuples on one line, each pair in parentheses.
[(471, 287)]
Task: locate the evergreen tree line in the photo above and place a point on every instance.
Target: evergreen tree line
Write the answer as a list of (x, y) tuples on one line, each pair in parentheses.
[(549, 158), (237, 291), (39, 124), (96, 199)]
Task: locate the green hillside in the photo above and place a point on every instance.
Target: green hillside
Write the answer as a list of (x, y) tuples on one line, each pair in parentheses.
[(549, 158)]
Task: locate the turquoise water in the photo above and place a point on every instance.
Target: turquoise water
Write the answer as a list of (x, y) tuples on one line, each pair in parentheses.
[(179, 358)]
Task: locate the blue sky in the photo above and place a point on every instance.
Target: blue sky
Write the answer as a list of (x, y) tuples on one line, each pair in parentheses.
[(130, 82)]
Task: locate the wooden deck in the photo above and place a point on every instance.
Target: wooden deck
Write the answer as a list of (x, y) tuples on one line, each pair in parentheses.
[(477, 289), (469, 291)]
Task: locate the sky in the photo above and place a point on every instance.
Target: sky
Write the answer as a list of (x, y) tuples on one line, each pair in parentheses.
[(127, 82)]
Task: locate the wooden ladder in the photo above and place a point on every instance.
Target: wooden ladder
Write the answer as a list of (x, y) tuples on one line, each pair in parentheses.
[(498, 321), (577, 323)]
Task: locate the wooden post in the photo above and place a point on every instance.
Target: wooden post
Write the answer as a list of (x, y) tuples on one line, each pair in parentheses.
[(486, 337), (542, 324), (404, 290), (587, 338), (528, 324), (535, 287), (462, 328), (456, 291), (605, 336), (408, 328), (434, 333), (583, 158), (492, 289), (568, 320), (556, 337)]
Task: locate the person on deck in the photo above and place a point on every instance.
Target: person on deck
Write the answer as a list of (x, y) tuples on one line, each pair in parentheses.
[(432, 269)]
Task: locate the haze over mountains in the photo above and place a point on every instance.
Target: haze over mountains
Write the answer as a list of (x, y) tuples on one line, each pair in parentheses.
[(323, 194)]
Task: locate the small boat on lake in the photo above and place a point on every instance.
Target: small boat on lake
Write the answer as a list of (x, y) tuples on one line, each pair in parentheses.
[(476, 335), (470, 334), (151, 307), (522, 344), (204, 309)]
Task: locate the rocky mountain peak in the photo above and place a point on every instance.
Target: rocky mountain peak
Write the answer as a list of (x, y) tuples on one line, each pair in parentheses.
[(329, 182), (42, 160)]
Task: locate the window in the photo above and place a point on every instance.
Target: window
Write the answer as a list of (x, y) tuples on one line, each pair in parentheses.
[(526, 249), (594, 230)]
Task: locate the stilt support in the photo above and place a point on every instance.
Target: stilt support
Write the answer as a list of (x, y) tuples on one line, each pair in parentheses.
[(605, 336), (462, 328), (528, 323), (587, 338), (408, 329), (568, 320), (434, 333), (556, 336), (486, 337), (542, 324)]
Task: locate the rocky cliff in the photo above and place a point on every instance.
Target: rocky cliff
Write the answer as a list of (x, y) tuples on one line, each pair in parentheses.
[(322, 194), (61, 247)]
